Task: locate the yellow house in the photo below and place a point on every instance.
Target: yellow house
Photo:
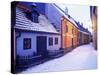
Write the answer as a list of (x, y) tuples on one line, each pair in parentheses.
[(69, 34)]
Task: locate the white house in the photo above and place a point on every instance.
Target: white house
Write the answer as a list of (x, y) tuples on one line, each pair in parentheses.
[(35, 38)]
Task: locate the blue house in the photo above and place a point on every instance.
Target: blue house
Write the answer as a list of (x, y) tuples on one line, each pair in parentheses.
[(35, 35)]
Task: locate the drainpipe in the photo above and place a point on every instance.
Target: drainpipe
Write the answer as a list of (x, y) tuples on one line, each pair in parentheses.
[(19, 35)]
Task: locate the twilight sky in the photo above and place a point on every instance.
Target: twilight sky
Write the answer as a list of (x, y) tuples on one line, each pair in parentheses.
[(80, 13)]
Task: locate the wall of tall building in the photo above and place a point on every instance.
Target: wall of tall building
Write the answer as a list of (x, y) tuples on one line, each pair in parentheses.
[(93, 11)]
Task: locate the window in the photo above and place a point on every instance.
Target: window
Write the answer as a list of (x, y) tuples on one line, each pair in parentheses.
[(66, 28), (72, 30), (27, 43), (50, 41), (56, 40)]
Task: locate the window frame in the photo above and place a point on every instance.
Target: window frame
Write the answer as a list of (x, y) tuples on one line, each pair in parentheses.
[(28, 42), (56, 40), (50, 41), (66, 28)]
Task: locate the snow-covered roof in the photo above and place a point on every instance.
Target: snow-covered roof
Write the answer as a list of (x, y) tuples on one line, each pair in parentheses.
[(70, 19), (82, 29), (83, 32), (24, 23), (65, 15)]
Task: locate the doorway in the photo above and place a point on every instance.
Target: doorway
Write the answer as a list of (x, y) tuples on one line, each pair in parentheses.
[(42, 45)]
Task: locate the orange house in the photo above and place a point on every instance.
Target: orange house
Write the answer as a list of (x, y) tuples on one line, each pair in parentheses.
[(75, 36), (69, 34)]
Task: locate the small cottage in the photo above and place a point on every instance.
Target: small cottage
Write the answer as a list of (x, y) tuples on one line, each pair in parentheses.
[(35, 35)]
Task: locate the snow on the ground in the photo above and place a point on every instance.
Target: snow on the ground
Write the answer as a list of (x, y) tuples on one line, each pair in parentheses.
[(82, 57)]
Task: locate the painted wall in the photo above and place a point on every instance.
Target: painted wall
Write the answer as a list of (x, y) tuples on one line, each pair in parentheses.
[(19, 42), (66, 36), (75, 36), (69, 34), (55, 46), (80, 38)]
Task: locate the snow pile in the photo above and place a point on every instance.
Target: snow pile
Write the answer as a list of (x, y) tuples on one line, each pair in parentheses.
[(24, 23), (83, 57)]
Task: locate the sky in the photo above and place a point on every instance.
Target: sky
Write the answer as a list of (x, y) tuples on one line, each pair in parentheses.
[(80, 13)]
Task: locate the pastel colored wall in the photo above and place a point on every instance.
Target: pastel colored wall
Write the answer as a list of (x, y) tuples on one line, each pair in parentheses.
[(66, 36), (19, 43)]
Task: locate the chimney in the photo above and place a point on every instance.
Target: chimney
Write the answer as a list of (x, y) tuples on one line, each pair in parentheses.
[(35, 14)]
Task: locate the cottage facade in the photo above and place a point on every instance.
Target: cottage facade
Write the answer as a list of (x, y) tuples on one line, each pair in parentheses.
[(35, 37)]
